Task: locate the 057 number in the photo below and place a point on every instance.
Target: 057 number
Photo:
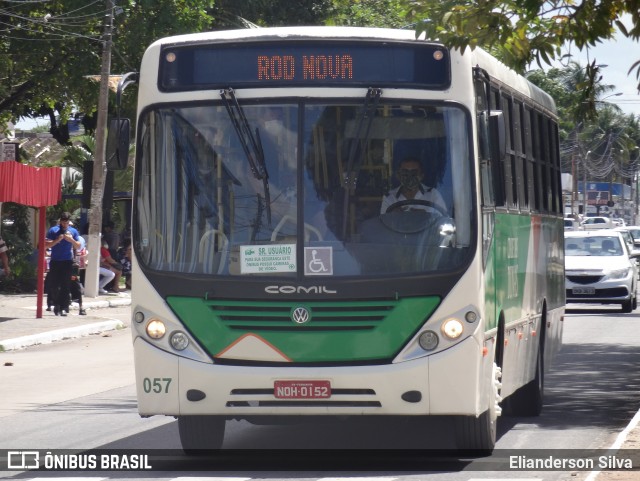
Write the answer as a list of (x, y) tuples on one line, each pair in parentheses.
[(157, 385)]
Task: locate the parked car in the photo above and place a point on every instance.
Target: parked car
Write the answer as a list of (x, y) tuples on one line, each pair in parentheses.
[(628, 239), (599, 269), (634, 230), (591, 223), (571, 224)]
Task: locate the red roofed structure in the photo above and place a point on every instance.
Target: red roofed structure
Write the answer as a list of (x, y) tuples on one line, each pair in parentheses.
[(36, 187)]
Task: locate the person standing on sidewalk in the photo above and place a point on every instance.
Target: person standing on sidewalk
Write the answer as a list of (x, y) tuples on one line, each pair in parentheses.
[(62, 239), (4, 257)]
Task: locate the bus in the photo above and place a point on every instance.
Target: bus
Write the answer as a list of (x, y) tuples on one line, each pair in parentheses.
[(270, 285)]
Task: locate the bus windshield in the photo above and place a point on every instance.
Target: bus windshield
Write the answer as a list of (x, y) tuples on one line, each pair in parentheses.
[(345, 188)]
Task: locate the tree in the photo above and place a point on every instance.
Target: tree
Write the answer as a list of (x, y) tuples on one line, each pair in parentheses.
[(21, 254), (368, 13), (48, 49), (520, 32)]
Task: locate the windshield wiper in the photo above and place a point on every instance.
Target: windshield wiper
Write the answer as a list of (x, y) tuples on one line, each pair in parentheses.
[(251, 144), (368, 113)]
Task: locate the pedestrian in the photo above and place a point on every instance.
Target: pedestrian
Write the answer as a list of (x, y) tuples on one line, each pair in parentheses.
[(125, 261), (79, 263), (4, 257), (62, 239), (108, 263), (106, 276), (111, 237), (76, 288)]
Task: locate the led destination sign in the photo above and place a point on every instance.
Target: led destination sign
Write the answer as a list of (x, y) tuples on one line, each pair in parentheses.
[(314, 67), (411, 65)]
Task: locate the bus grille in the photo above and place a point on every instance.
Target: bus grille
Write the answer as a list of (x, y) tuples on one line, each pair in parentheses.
[(325, 316)]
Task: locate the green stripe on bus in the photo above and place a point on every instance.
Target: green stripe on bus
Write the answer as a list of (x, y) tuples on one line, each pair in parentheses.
[(336, 332)]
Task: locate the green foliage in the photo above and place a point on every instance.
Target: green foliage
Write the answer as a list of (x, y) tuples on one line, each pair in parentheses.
[(20, 250), (49, 50), (269, 13), (599, 143), (368, 13), (521, 32)]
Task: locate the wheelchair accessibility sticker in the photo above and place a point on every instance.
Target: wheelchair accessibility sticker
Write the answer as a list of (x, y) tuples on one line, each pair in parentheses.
[(318, 261)]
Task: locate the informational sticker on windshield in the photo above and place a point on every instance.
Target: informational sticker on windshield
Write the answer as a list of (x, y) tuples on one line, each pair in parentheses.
[(267, 259)]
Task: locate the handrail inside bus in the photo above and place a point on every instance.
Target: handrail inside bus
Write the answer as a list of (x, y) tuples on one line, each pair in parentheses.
[(368, 113)]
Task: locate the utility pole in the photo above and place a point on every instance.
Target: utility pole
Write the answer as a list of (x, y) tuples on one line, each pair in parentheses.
[(585, 190), (574, 185), (99, 162)]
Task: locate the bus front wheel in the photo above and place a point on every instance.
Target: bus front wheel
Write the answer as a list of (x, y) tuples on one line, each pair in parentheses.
[(201, 433), (479, 433)]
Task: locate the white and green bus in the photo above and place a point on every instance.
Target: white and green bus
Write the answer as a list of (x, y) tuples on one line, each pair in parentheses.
[(268, 280)]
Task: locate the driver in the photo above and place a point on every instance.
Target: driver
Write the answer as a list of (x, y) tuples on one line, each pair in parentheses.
[(411, 187)]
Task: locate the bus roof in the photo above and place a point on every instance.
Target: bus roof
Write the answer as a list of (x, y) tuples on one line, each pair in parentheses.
[(500, 72), (288, 32)]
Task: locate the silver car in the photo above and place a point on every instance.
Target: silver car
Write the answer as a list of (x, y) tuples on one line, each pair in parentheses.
[(600, 269)]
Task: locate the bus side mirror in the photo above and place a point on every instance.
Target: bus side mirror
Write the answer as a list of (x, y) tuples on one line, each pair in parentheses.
[(117, 153), (497, 135)]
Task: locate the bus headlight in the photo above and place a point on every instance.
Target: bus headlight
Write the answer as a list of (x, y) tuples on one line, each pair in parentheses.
[(138, 316), (156, 329), (428, 340), (452, 328), (179, 340)]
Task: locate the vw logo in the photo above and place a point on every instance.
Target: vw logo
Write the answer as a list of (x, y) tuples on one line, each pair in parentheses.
[(300, 315)]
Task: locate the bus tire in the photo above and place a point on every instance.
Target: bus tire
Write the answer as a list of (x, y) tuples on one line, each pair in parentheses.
[(527, 401), (479, 433), (476, 433), (201, 433)]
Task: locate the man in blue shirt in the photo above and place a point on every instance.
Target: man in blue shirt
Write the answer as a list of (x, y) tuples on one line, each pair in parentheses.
[(62, 239)]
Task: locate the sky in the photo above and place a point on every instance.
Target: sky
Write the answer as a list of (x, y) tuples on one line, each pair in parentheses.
[(619, 55)]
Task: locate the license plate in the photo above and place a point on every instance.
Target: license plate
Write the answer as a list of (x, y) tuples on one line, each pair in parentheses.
[(312, 389), (583, 290)]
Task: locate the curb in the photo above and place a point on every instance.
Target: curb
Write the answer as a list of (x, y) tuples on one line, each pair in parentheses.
[(60, 334), (115, 302)]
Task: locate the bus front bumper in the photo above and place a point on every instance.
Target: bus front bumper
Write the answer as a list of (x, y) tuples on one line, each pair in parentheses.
[(448, 382)]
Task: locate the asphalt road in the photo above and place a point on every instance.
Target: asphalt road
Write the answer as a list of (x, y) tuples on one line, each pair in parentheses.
[(79, 394)]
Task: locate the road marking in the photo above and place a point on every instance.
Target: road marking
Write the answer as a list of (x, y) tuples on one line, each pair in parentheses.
[(73, 478), (350, 478), (209, 478)]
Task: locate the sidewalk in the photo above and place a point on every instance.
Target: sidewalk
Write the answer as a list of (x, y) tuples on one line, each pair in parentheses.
[(19, 327)]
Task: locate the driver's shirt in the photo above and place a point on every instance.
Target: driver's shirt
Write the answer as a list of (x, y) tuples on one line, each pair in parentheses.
[(425, 193)]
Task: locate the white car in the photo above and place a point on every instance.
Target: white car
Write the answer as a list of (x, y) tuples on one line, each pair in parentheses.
[(599, 269), (634, 230), (571, 224), (634, 249), (591, 223)]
